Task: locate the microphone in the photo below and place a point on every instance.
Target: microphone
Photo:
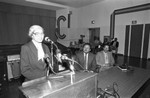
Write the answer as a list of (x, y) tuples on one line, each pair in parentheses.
[(47, 39), (58, 57), (64, 57), (47, 58)]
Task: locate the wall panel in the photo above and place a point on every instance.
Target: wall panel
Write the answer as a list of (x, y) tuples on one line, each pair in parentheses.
[(15, 21)]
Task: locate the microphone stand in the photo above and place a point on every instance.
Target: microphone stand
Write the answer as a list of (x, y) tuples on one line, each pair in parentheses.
[(52, 58), (52, 53)]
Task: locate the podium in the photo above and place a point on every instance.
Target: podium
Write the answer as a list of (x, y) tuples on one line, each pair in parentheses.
[(82, 85)]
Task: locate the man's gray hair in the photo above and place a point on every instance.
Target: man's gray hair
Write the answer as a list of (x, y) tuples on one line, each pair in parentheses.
[(33, 29)]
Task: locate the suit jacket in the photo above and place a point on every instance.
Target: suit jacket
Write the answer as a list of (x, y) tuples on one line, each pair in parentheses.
[(100, 59), (31, 68), (80, 59), (116, 45)]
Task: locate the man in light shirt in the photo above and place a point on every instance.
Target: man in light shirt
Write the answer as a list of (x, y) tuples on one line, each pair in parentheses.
[(104, 58), (33, 53)]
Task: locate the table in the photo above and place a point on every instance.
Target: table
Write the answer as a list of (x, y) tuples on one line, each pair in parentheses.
[(84, 85), (128, 82)]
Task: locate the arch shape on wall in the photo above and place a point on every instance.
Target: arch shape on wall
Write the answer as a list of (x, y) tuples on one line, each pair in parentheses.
[(138, 8), (58, 27), (125, 10)]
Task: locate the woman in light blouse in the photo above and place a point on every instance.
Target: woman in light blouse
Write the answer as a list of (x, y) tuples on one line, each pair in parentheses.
[(104, 58)]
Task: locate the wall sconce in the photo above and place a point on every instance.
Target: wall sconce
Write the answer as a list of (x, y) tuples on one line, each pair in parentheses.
[(93, 22), (70, 12)]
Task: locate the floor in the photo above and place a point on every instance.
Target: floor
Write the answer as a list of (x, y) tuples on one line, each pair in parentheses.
[(13, 91)]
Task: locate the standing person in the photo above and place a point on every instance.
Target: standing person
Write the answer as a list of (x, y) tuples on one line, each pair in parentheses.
[(86, 59), (105, 58), (33, 64), (114, 45), (97, 45)]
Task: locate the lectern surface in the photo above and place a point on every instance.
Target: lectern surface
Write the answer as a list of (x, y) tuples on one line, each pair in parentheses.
[(82, 85)]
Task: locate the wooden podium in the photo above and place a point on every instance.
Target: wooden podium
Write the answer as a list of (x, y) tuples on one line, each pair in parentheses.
[(82, 85)]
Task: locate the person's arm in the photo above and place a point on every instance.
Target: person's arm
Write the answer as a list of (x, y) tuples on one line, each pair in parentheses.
[(112, 61), (95, 67), (98, 59), (76, 65), (117, 45)]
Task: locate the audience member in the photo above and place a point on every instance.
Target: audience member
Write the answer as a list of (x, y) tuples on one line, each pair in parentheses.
[(97, 45), (104, 58), (106, 41), (114, 47), (86, 59), (33, 64)]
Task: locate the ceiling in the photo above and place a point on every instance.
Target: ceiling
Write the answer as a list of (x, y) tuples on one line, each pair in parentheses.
[(52, 4), (74, 3)]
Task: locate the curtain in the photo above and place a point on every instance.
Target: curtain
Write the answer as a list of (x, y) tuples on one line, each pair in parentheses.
[(15, 22)]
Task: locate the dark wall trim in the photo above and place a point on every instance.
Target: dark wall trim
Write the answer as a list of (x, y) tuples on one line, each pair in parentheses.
[(133, 9), (126, 10), (69, 16), (112, 18), (126, 40)]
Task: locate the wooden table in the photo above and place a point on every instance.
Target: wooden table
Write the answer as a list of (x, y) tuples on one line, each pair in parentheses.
[(128, 82), (84, 85)]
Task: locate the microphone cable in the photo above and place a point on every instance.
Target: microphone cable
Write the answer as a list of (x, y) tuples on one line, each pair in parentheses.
[(109, 91)]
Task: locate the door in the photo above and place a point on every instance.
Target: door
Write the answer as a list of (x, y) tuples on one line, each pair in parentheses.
[(94, 33), (136, 40), (146, 41)]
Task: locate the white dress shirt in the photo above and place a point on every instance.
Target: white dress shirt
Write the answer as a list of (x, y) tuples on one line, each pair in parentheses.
[(106, 58), (86, 60), (40, 50)]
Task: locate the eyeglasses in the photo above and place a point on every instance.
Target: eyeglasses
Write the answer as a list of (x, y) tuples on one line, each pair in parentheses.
[(38, 34)]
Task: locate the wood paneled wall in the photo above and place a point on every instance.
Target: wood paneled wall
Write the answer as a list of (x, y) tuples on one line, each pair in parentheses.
[(15, 21)]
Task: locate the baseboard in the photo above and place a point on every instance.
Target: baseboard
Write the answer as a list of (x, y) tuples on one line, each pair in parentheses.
[(127, 56), (120, 54)]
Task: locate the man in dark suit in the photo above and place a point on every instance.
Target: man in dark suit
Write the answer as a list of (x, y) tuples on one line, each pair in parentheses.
[(86, 59), (33, 64)]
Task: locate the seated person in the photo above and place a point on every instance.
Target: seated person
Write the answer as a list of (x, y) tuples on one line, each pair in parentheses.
[(104, 58), (86, 59)]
